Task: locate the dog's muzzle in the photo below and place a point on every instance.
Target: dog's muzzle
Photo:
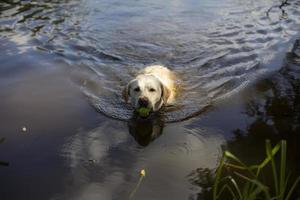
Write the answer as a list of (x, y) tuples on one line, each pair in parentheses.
[(143, 102)]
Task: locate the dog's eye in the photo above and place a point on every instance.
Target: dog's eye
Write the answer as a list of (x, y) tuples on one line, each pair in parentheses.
[(137, 89), (152, 90)]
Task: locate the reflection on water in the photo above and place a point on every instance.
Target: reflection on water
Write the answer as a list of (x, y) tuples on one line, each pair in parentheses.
[(64, 64), (145, 131), (116, 162), (3, 163), (274, 110)]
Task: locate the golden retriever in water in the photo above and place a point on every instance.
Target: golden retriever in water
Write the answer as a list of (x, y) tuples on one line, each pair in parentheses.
[(152, 88)]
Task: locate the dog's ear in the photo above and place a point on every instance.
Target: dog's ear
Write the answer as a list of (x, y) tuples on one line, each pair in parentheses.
[(125, 92), (165, 93)]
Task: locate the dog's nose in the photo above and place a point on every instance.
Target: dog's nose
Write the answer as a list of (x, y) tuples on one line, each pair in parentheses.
[(143, 102)]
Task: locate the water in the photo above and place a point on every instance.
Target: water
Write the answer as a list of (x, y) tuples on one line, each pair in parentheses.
[(65, 63)]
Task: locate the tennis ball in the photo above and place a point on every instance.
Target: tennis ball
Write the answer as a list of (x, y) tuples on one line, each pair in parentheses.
[(143, 112)]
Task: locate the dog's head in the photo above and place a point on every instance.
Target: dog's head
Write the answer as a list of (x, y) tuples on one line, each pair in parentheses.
[(146, 91)]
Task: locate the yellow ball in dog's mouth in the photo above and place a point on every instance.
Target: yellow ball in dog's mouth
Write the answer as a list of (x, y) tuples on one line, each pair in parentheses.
[(143, 112)]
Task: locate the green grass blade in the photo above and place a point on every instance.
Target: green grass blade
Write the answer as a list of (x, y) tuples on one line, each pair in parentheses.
[(218, 177), (230, 155), (253, 194), (253, 188), (236, 187), (222, 190), (229, 189), (131, 195), (260, 187), (274, 170), (233, 157), (235, 166), (282, 181), (246, 190), (285, 184), (292, 189), (268, 159), (274, 198)]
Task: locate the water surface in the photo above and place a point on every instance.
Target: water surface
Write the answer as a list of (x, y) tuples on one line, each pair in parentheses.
[(65, 63)]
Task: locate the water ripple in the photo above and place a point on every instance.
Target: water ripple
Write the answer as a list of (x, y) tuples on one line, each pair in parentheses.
[(216, 49)]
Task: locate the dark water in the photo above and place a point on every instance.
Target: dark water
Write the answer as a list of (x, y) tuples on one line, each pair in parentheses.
[(64, 63)]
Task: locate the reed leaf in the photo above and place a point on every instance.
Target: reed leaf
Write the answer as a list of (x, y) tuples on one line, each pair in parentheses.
[(229, 189), (233, 157), (250, 187), (274, 170), (282, 180), (292, 189), (218, 177), (236, 187)]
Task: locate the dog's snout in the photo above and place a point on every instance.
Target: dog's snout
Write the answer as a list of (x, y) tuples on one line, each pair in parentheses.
[(144, 102)]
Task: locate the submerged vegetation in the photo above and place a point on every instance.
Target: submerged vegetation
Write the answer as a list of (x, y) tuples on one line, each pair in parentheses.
[(237, 180)]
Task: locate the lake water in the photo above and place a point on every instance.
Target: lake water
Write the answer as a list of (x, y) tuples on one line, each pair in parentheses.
[(64, 63)]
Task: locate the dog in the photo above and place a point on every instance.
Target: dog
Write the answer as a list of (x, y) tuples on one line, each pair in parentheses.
[(153, 87)]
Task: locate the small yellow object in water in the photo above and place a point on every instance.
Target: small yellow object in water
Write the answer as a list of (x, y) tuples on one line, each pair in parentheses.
[(143, 172), (24, 129)]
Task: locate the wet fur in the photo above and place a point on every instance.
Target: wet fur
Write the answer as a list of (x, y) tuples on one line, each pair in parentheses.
[(155, 76)]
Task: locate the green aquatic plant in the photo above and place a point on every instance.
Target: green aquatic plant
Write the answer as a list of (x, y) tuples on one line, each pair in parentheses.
[(236, 180), (142, 175)]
